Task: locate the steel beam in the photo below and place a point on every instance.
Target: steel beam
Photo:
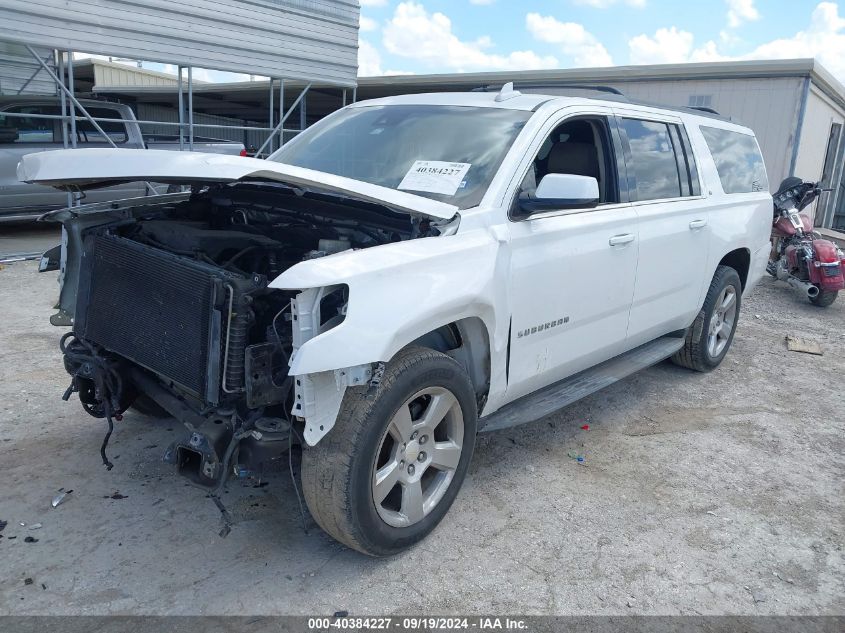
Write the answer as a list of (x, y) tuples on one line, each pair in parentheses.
[(284, 118)]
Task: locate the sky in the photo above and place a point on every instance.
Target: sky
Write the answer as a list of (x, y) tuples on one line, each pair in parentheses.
[(437, 36)]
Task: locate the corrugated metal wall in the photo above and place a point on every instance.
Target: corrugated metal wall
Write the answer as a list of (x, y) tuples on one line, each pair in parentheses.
[(295, 39), (16, 67)]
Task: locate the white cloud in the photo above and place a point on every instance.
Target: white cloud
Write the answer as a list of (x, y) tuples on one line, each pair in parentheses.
[(740, 11), (369, 60), (428, 38), (604, 4), (666, 46), (368, 24), (482, 2), (574, 40), (824, 39), (373, 3)]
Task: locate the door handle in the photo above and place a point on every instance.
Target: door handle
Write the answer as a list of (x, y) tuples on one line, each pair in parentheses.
[(697, 224), (619, 240)]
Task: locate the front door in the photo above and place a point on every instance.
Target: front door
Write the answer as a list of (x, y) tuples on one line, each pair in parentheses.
[(572, 271)]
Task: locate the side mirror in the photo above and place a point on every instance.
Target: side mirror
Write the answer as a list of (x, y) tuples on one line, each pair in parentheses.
[(561, 191)]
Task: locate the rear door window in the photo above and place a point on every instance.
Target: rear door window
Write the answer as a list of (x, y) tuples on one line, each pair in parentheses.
[(30, 127), (87, 133), (660, 159), (738, 160)]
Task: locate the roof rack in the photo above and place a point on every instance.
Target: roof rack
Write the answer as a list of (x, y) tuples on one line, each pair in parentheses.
[(704, 109), (596, 88)]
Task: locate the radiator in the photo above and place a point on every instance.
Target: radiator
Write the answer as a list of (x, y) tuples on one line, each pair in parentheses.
[(153, 308)]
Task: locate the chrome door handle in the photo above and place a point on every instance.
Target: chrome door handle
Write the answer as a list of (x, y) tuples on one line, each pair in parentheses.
[(697, 224), (619, 240)]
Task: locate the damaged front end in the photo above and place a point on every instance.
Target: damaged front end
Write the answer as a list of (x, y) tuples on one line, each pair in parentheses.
[(170, 304)]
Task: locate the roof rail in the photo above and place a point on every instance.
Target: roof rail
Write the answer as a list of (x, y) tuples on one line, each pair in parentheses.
[(597, 88), (704, 109)]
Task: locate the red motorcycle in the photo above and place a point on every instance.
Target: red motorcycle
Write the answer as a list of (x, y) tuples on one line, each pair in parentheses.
[(800, 256)]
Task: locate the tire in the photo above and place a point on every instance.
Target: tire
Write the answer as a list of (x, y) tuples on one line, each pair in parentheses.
[(339, 473), (698, 352), (824, 298), (147, 406)]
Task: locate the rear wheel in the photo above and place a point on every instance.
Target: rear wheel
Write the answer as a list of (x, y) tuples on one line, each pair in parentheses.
[(711, 334), (391, 467), (824, 298)]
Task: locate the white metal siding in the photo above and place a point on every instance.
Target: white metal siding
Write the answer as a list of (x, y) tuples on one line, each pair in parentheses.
[(818, 117), (295, 39), (17, 65)]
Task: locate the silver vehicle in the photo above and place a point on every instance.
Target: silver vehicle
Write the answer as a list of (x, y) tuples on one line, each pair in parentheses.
[(22, 135)]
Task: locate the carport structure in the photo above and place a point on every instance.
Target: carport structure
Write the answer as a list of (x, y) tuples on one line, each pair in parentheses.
[(295, 43)]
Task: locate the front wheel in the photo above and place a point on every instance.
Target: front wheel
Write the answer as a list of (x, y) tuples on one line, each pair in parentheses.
[(391, 467), (824, 298), (711, 334)]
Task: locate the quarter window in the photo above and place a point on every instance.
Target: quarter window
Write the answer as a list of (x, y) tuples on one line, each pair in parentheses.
[(661, 160), (738, 160)]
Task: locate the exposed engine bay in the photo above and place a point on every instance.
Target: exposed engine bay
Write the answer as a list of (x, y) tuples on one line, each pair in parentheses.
[(174, 314)]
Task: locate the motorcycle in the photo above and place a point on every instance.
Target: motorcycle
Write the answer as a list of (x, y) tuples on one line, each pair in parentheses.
[(800, 256)]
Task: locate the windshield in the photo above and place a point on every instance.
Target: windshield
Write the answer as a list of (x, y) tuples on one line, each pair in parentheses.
[(448, 153)]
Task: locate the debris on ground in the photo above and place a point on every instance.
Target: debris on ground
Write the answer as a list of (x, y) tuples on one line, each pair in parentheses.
[(116, 495), (61, 496), (578, 458), (29, 539), (341, 614), (806, 345), (585, 427), (3, 525), (28, 581), (35, 526)]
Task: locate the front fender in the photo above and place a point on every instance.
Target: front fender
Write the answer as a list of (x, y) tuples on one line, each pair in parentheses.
[(397, 293)]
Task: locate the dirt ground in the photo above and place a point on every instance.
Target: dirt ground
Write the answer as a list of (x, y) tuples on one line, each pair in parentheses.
[(698, 494)]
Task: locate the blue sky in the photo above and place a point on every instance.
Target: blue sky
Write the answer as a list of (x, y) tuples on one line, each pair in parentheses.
[(431, 36)]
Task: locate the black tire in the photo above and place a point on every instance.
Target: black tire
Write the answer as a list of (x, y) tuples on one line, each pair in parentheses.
[(145, 405), (695, 354), (337, 473), (824, 298)]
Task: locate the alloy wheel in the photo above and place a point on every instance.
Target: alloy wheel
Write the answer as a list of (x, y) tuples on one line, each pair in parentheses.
[(418, 456), (722, 322)]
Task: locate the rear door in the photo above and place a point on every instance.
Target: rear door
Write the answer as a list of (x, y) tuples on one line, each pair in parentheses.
[(673, 224)]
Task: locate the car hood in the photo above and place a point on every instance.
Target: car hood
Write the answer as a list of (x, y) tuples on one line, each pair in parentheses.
[(89, 168)]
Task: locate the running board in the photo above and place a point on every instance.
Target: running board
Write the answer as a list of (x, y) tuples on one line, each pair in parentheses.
[(561, 394)]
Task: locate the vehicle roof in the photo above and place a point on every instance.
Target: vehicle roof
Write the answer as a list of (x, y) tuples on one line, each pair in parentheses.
[(525, 102), (532, 101)]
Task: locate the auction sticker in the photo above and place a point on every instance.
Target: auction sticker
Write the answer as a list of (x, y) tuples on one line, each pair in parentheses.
[(435, 176)]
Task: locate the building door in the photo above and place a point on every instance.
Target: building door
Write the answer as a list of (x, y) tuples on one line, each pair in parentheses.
[(831, 178)]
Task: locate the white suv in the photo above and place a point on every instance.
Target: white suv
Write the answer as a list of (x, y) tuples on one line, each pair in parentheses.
[(404, 274)]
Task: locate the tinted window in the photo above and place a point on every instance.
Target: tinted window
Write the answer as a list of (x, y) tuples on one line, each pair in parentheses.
[(87, 133), (653, 159), (385, 145), (738, 160), (29, 129)]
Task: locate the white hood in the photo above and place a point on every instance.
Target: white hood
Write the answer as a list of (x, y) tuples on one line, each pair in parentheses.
[(87, 167)]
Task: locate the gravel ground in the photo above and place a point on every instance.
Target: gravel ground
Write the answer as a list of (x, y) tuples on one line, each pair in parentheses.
[(699, 494)]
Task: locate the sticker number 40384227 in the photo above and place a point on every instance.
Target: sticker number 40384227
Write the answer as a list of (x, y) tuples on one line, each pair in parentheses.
[(435, 176)]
